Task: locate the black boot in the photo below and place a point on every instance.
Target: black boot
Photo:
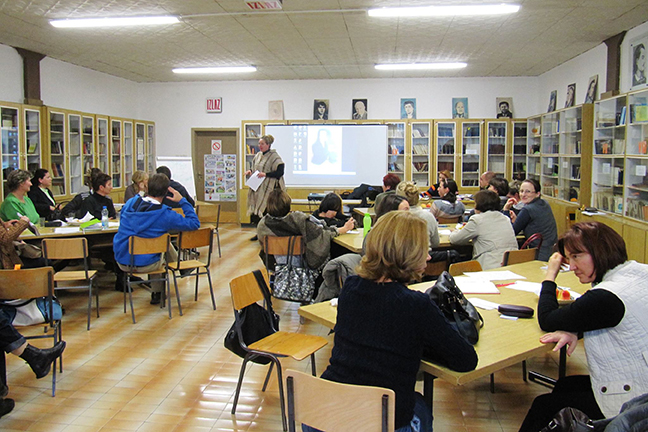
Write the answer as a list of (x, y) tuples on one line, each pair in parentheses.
[(156, 298), (6, 406), (40, 360)]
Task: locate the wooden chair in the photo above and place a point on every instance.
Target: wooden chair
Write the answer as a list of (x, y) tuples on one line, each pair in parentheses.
[(209, 213), (144, 246), (457, 269), (449, 220), (246, 290), (73, 248), (531, 239), (332, 406), (188, 240), (28, 284), (519, 256), (290, 247), (178, 210)]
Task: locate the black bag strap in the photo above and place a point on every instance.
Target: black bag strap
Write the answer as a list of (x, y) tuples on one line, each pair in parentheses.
[(264, 288)]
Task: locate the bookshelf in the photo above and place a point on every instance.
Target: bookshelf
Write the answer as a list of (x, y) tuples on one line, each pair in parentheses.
[(496, 147), (421, 163), (102, 143), (396, 148), (58, 159), (636, 163), (471, 143), (75, 154), (253, 132), (9, 141), (534, 139), (116, 152), (140, 146), (150, 147), (128, 152), (445, 137), (88, 149), (32, 138), (519, 151)]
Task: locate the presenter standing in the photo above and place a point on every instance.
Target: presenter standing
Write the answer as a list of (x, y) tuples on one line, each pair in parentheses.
[(271, 169)]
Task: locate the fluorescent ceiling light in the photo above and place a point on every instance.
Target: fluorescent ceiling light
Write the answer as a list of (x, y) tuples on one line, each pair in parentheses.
[(421, 66), (215, 70), (496, 9), (114, 22)]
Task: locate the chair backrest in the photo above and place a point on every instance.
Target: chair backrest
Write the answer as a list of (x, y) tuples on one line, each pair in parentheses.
[(72, 248), (519, 256), (209, 213), (245, 290), (292, 245), (332, 406), (26, 283), (436, 268), (449, 220), (457, 269), (531, 239), (142, 246), (178, 210), (194, 239)]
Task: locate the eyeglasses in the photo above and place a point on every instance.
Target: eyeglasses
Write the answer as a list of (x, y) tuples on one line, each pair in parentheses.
[(527, 191)]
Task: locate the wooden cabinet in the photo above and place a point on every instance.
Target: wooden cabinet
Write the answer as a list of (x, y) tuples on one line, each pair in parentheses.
[(57, 132), (636, 162), (445, 143), (103, 149), (75, 155), (128, 152), (33, 138), (470, 156), (9, 141), (89, 144), (150, 147), (396, 149), (534, 140), (420, 132), (498, 147), (116, 151), (519, 151)]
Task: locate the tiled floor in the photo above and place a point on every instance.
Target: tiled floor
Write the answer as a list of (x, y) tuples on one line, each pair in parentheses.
[(175, 375)]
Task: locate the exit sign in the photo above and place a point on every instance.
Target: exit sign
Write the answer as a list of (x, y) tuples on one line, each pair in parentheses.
[(264, 5), (214, 105)]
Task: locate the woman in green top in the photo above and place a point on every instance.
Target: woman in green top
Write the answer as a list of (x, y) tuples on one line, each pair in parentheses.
[(17, 201)]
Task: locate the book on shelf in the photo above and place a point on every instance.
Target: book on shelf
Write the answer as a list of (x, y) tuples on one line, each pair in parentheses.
[(639, 112), (420, 149), (251, 133), (57, 147), (622, 116), (32, 147)]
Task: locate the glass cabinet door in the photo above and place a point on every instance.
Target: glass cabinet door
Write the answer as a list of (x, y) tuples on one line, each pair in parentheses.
[(396, 149), (496, 147), (32, 139), (550, 149), (421, 153), (58, 166), (116, 152), (570, 141), (150, 147), (128, 152), (140, 147), (253, 131), (519, 168), (445, 147), (102, 141), (534, 139), (636, 176), (74, 153), (88, 144), (9, 126), (470, 153)]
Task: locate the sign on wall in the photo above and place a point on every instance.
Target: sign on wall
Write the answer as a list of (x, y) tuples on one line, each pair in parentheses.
[(220, 177), (216, 146), (214, 105)]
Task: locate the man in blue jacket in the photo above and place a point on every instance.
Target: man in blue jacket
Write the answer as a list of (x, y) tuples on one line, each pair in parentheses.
[(147, 217)]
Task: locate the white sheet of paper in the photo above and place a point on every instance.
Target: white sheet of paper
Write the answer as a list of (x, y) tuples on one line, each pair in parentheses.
[(445, 232), (483, 304), (495, 275), (66, 230), (113, 224), (469, 285), (254, 181)]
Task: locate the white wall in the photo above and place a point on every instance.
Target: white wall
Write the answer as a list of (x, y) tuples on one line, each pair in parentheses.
[(577, 70), (11, 87), (178, 107)]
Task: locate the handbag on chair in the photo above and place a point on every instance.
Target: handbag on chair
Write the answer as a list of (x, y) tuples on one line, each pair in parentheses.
[(294, 283)]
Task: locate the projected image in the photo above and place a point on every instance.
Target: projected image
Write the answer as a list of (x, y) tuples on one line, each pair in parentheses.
[(325, 151)]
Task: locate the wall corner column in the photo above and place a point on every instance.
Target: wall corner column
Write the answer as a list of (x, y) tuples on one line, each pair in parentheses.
[(31, 76), (613, 65)]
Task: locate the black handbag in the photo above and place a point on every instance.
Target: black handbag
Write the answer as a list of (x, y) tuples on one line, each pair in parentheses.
[(456, 308), (569, 420), (256, 322)]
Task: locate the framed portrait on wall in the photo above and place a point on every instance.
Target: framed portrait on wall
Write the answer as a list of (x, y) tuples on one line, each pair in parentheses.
[(320, 109), (638, 62), (592, 86), (460, 108), (504, 107), (552, 101), (408, 108), (359, 109), (275, 110), (571, 95)]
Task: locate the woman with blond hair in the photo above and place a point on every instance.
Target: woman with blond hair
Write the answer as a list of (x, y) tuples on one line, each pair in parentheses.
[(409, 190), (384, 329), (139, 185)]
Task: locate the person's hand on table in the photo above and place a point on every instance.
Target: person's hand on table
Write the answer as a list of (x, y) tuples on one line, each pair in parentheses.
[(561, 338), (512, 215), (553, 266), (176, 195), (348, 226)]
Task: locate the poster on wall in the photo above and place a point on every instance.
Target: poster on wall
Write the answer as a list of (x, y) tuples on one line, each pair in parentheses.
[(220, 177), (638, 62)]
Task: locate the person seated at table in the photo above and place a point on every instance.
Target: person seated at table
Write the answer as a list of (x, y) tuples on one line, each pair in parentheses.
[(391, 202), (448, 206), (73, 206), (409, 190), (485, 178), (139, 185), (514, 192), (17, 203), (433, 191), (10, 233), (100, 198), (175, 185), (390, 181), (535, 217), (39, 360), (42, 196), (384, 329), (489, 230), (500, 186), (330, 211), (147, 217), (610, 317), (281, 222)]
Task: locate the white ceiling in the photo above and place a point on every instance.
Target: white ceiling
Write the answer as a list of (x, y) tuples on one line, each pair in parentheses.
[(302, 43)]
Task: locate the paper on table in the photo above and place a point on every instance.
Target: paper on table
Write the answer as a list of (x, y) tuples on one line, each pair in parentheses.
[(469, 285), (113, 224), (353, 231), (445, 232), (536, 287), (495, 275), (254, 181), (66, 230), (483, 304)]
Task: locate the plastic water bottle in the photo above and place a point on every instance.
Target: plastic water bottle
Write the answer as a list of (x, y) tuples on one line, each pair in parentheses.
[(104, 218), (366, 224)]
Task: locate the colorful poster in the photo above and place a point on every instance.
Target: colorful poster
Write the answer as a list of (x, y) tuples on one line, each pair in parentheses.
[(220, 177)]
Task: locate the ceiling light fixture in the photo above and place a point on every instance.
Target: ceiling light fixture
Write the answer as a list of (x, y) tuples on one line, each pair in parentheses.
[(440, 11), (421, 66), (114, 22), (215, 70)]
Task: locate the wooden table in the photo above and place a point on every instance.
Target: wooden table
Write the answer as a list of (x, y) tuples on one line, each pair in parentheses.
[(502, 343), (353, 241)]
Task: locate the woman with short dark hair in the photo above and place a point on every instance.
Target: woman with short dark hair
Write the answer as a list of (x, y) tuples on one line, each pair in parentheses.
[(17, 203), (489, 230), (610, 317), (330, 211), (42, 196), (447, 206)]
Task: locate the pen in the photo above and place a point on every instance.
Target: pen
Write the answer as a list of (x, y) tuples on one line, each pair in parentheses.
[(504, 284)]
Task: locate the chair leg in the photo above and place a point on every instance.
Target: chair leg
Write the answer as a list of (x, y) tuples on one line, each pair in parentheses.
[(313, 366), (130, 297), (124, 285), (175, 282), (267, 379), (240, 382), (211, 288), (281, 396), (167, 293), (218, 241), (90, 304), (524, 371), (196, 290), (492, 383)]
